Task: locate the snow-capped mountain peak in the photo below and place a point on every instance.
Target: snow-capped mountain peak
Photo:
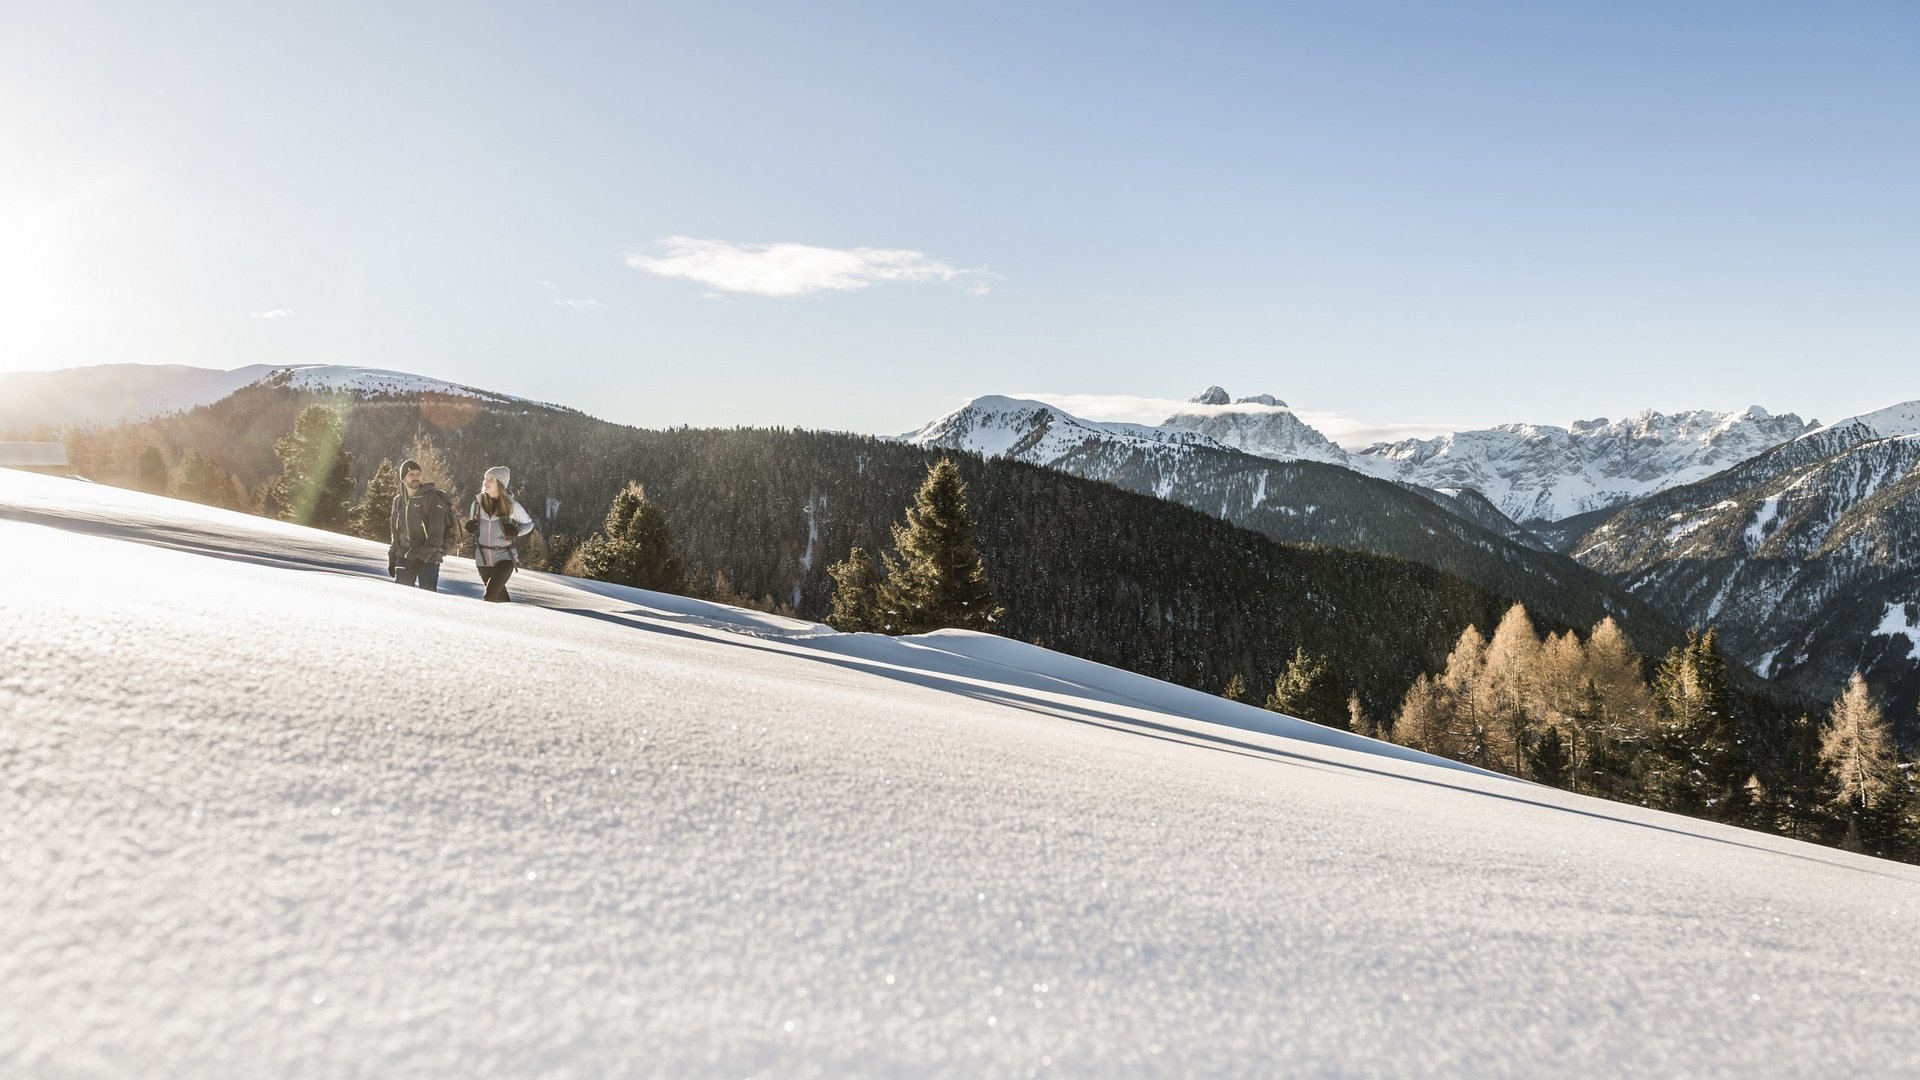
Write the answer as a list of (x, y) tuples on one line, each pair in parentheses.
[(1539, 472), (996, 426), (377, 382), (1261, 425), (116, 393), (1531, 472), (1892, 422)]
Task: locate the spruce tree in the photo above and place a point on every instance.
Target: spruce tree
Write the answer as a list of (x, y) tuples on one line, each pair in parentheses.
[(316, 474), (1719, 751), (1547, 757), (1801, 808), (935, 577), (636, 546), (1309, 690), (1586, 721), (1698, 765), (373, 518), (856, 595)]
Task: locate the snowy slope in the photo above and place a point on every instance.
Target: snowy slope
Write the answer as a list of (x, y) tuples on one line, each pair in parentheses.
[(1262, 425), (340, 379), (107, 394), (1892, 422), (1036, 432), (267, 814)]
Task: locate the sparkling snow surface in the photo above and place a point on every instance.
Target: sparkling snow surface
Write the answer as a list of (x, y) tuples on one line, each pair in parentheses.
[(264, 813)]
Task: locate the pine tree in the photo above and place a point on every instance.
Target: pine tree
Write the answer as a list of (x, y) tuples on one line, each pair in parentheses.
[(560, 547), (205, 480), (1858, 753), (1511, 680), (79, 453), (935, 577), (1720, 753), (1309, 690), (1236, 688), (1586, 723), (636, 546), (856, 595), (316, 475), (151, 471), (1625, 720), (1422, 722), (1358, 721), (1547, 757), (1698, 766), (1799, 801), (373, 518), (1467, 700)]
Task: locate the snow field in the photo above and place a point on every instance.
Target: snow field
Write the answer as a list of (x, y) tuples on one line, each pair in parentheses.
[(262, 812)]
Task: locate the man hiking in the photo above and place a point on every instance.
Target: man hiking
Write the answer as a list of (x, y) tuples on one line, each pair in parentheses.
[(421, 516)]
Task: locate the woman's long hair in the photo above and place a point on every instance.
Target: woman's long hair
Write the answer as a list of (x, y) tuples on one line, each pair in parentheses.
[(501, 508)]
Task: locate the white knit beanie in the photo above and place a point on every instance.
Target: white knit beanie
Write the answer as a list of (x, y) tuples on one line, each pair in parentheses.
[(502, 474)]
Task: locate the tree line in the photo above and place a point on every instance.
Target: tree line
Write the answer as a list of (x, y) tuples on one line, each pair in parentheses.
[(1584, 713), (841, 528)]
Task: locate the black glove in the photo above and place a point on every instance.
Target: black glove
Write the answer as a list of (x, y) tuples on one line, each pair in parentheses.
[(473, 525), (393, 566)]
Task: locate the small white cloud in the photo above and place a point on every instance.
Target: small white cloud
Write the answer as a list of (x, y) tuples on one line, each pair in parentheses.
[(577, 303), (1347, 432), (1354, 434), (276, 313), (797, 269)]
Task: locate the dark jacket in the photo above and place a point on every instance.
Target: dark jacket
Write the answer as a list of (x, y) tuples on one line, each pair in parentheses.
[(422, 524)]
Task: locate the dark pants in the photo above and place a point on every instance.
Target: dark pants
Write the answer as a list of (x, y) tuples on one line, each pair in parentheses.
[(495, 577), (423, 573)]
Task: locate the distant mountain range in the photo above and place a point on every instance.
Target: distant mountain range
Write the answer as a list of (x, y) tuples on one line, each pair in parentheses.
[(1797, 542), (1534, 474), (1806, 556), (106, 394), (1297, 500)]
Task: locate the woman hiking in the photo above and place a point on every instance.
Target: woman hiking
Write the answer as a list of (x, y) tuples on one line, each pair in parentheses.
[(496, 520)]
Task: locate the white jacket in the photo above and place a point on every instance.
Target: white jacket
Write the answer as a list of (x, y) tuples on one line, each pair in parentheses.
[(493, 543)]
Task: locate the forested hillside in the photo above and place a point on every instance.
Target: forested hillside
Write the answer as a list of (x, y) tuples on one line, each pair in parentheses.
[(1110, 575)]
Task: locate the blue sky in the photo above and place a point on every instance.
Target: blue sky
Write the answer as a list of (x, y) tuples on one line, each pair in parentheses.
[(856, 216)]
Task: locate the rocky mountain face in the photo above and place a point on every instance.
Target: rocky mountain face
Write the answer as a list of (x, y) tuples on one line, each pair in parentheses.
[(1534, 474), (1301, 502), (1262, 425), (1806, 558), (1539, 474)]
